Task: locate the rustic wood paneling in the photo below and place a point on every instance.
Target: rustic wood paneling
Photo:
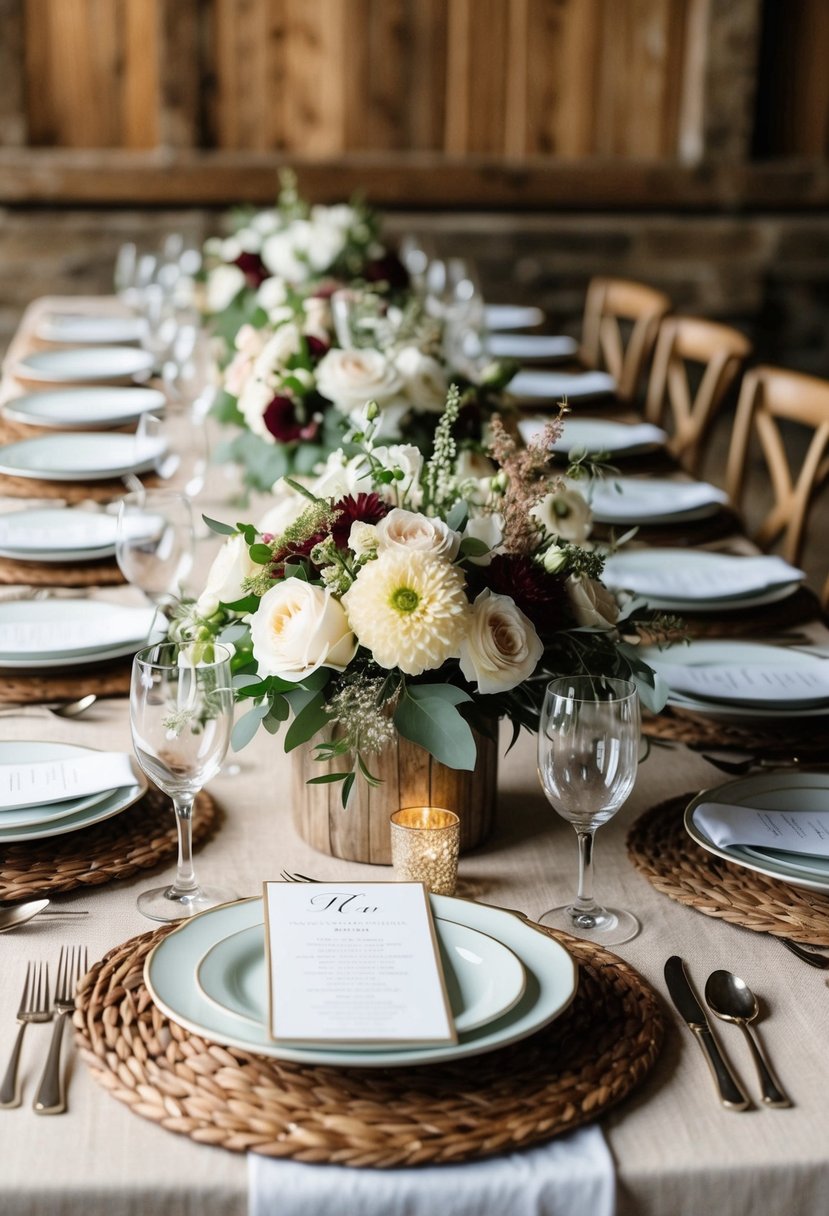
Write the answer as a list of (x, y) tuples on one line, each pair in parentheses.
[(13, 126)]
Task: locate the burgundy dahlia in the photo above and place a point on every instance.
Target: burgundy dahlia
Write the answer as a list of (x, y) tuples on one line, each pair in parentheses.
[(539, 595), (281, 419), (253, 268), (316, 347), (387, 269), (365, 508)]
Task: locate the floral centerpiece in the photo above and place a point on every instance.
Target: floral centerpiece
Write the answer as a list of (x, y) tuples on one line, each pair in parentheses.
[(395, 595)]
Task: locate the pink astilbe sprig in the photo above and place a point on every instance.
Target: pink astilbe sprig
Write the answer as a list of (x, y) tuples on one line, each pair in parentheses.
[(529, 478)]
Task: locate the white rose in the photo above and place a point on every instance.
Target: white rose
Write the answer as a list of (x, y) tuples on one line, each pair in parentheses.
[(501, 648), (223, 286), (424, 379), (350, 378), (362, 539), (286, 509), (407, 458), (230, 566), (591, 602), (564, 513), (490, 530), (280, 346), (253, 400), (339, 215), (325, 244), (317, 321), (271, 294), (297, 628), (280, 257), (340, 477), (250, 241), (230, 249), (409, 530), (265, 221)]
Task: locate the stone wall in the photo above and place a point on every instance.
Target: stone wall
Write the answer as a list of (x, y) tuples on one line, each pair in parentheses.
[(766, 273)]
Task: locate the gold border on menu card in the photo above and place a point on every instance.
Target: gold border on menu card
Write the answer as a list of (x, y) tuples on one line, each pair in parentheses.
[(401, 1043)]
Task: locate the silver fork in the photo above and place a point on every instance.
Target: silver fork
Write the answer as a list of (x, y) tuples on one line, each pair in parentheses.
[(50, 1098), (34, 1007), (287, 876)]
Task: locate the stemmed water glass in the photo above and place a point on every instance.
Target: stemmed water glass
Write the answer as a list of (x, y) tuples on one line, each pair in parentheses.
[(588, 752), (154, 542), (181, 716)]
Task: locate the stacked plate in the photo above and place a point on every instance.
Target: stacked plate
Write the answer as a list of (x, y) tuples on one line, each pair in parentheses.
[(505, 981), (82, 408), (688, 580), (653, 500), (90, 456), (85, 364), (554, 387), (66, 534), (94, 328), (744, 681), (796, 793), (511, 316), (25, 822), (596, 436), (543, 347), (45, 634)]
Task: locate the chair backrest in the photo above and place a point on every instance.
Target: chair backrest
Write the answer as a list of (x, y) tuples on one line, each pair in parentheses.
[(769, 396), (609, 302), (685, 343)]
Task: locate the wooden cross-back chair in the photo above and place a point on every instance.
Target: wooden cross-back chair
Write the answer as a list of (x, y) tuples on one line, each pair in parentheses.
[(610, 302), (769, 396), (684, 344)]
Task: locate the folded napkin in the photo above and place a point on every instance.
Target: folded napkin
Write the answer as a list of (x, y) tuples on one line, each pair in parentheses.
[(531, 346), (804, 831), (561, 384), (630, 499), (752, 684), (44, 781), (52, 636), (706, 577), (568, 1176)]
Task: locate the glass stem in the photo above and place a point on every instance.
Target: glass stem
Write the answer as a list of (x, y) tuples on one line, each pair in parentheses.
[(584, 901), (185, 882)]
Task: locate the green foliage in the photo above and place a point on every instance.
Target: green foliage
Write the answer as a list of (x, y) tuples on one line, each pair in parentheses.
[(427, 714)]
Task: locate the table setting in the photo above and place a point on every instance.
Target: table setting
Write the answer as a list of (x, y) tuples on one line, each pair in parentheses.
[(547, 1064)]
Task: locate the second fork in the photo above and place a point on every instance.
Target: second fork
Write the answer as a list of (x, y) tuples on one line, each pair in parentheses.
[(50, 1098)]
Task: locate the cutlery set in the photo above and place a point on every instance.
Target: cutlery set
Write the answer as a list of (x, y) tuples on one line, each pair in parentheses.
[(731, 1000), (36, 1006)]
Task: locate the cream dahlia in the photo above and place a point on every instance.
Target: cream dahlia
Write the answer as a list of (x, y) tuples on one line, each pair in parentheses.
[(409, 609)]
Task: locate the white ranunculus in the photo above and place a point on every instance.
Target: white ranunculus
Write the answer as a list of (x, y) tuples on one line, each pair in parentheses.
[(279, 253), (325, 244), (266, 221), (287, 507), (424, 379), (410, 530), (253, 400), (501, 649), (338, 215), (362, 538), (230, 566), (230, 249), (340, 477), (271, 294), (283, 343), (407, 458), (250, 241), (350, 378), (490, 530), (564, 513), (299, 627), (223, 286), (591, 603)]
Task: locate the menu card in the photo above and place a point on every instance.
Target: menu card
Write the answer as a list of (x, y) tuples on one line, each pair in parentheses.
[(712, 577), (752, 684), (42, 782), (789, 831), (354, 963)]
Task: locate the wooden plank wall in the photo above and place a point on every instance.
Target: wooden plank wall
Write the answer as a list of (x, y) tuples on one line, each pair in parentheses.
[(511, 79)]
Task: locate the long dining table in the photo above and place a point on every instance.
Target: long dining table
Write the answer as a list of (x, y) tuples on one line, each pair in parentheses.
[(676, 1150)]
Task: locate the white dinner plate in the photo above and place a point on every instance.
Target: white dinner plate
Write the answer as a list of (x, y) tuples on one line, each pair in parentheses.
[(74, 408), (111, 803), (41, 634), (561, 386), (64, 534), (686, 580), (512, 316), (484, 979), (651, 500), (85, 364), (88, 327), (721, 653), (532, 346), (594, 435), (551, 985), (90, 456), (796, 792), (25, 752)]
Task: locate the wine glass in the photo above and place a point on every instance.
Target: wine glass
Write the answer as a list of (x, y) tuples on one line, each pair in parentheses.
[(177, 445), (181, 716), (588, 752), (154, 542)]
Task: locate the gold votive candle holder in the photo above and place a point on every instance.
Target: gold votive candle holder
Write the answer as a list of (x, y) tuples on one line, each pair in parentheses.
[(424, 847)]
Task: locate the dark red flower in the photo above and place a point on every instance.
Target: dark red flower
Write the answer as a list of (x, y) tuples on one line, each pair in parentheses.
[(387, 269), (539, 595), (316, 347), (253, 268), (365, 508), (281, 419)]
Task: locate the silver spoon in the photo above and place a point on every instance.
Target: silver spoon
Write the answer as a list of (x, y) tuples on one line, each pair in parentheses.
[(61, 709), (19, 914), (731, 999)]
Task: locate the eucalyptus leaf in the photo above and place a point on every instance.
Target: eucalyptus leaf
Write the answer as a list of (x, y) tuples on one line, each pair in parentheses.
[(247, 726), (435, 724), (216, 525), (310, 719), (458, 515)]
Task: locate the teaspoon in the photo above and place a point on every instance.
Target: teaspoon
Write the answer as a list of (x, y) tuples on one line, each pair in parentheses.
[(731, 999)]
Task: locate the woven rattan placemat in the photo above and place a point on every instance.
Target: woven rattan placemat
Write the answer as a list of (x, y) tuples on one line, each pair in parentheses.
[(28, 688), (566, 1075), (677, 866), (60, 574), (141, 837), (782, 738)]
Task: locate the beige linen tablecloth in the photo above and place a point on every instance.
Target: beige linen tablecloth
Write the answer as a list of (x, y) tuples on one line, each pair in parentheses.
[(677, 1152)]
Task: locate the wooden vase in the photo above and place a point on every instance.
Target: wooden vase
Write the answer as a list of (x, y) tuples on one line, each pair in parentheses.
[(409, 776)]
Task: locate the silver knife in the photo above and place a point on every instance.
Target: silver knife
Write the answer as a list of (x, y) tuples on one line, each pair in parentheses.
[(682, 994)]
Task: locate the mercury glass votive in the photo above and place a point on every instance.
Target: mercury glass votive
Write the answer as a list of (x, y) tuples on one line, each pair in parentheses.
[(424, 847)]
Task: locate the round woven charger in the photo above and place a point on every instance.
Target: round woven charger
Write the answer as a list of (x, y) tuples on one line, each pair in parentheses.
[(677, 866), (104, 679), (60, 574), (140, 837), (780, 739), (567, 1074)]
